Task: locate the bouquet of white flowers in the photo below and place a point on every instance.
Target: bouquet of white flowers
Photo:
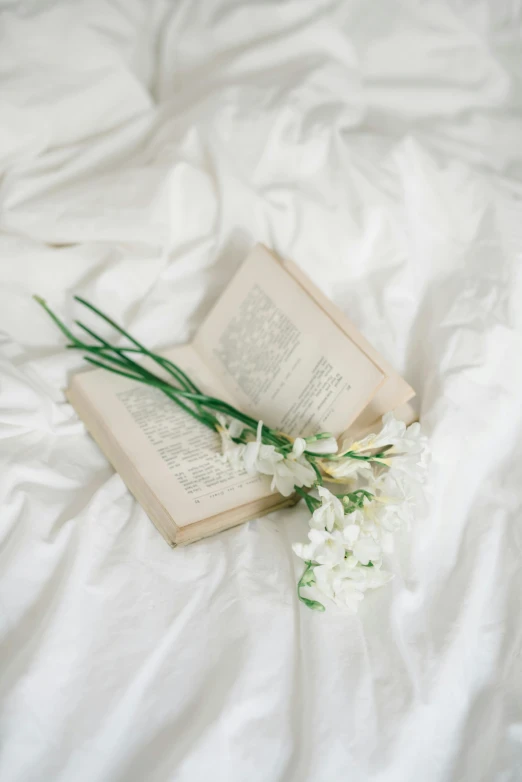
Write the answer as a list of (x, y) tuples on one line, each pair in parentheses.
[(350, 530)]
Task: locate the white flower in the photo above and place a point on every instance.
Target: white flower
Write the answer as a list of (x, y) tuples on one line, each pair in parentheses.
[(232, 452), (401, 489), (333, 583), (325, 578), (409, 459), (236, 428), (370, 577), (229, 430), (366, 549), (350, 533), (346, 468), (341, 578), (259, 457), (234, 455), (315, 445), (346, 582), (299, 447), (347, 548), (295, 470), (324, 547), (292, 472), (324, 445), (331, 512), (367, 530), (391, 433), (374, 537), (404, 441), (348, 596), (395, 500), (413, 441)]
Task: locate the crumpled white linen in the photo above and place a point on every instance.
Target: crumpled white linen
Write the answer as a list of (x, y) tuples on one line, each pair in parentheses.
[(145, 146)]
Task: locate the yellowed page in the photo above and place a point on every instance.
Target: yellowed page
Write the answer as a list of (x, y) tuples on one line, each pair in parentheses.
[(394, 392), (281, 356), (177, 457)]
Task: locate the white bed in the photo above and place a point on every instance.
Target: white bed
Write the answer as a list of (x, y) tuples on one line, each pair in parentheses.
[(144, 148)]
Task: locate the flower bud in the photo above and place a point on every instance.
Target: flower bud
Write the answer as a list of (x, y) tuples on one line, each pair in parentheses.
[(323, 446)]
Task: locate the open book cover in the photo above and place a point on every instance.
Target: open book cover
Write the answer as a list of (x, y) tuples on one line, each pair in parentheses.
[(275, 347)]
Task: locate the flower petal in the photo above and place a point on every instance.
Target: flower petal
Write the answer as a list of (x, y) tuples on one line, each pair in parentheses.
[(366, 550), (236, 428), (250, 457), (298, 447), (326, 446), (351, 533)]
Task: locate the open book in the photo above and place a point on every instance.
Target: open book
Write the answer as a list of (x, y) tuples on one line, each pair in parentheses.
[(275, 347)]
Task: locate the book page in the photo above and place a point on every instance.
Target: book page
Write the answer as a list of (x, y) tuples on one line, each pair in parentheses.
[(176, 455), (395, 391), (281, 356)]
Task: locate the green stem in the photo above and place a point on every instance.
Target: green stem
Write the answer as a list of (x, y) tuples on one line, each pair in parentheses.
[(361, 457), (307, 579), (177, 372), (354, 495), (170, 391), (311, 502), (317, 471), (63, 328), (230, 410), (169, 366), (190, 385), (117, 360)]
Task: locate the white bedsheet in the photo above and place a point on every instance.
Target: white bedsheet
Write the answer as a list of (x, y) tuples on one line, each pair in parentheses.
[(144, 147)]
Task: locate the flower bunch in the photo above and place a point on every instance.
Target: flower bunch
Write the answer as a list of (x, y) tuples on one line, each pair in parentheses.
[(349, 531), (292, 465)]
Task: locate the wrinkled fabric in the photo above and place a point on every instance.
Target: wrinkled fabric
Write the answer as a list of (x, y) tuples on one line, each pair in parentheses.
[(145, 147)]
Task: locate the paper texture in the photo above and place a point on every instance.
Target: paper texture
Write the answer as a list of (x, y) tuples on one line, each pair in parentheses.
[(281, 356), (394, 391), (176, 456)]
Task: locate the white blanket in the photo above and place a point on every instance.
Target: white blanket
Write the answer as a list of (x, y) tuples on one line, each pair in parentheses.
[(145, 146)]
